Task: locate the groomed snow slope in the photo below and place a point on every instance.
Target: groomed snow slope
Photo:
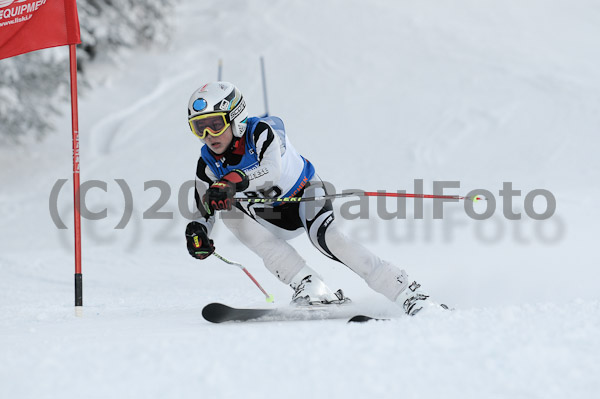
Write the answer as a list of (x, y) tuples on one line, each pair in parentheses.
[(376, 95)]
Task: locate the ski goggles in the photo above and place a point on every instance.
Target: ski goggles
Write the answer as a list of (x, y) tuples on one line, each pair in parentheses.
[(214, 124)]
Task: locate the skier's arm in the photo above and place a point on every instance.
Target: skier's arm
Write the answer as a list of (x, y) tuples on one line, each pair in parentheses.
[(219, 195), (212, 195), (204, 178), (199, 245)]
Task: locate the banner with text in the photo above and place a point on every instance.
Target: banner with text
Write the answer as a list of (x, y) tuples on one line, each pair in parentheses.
[(29, 25)]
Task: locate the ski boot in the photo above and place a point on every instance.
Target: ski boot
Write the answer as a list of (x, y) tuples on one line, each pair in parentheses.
[(311, 290), (413, 300)]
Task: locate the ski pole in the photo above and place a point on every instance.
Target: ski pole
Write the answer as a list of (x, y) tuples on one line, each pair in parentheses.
[(358, 194), (269, 298)]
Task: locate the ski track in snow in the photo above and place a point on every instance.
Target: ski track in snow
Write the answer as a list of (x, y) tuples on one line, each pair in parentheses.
[(111, 129), (532, 351), (505, 91)]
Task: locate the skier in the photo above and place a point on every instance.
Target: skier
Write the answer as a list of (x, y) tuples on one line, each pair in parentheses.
[(254, 157)]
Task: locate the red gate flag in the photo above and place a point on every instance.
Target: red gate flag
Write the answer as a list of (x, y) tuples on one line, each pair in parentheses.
[(29, 25)]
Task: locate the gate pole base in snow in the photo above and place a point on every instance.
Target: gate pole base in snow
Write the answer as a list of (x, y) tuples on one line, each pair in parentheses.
[(78, 289)]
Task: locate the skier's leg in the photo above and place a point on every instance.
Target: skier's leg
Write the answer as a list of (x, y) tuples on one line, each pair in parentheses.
[(280, 258), (380, 275)]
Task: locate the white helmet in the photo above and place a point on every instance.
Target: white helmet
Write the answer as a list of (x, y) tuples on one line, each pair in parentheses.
[(218, 97)]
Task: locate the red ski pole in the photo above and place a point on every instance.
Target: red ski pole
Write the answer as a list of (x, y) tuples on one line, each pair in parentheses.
[(357, 194), (269, 298)]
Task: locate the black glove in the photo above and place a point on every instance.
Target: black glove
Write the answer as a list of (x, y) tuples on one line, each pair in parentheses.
[(219, 196), (198, 243)]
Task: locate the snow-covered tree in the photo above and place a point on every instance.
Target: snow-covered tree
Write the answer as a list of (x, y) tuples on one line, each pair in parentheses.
[(31, 84)]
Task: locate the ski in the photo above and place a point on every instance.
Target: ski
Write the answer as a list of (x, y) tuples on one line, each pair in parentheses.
[(364, 319), (220, 313)]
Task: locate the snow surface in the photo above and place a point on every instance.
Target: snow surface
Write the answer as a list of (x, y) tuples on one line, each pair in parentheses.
[(375, 95)]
